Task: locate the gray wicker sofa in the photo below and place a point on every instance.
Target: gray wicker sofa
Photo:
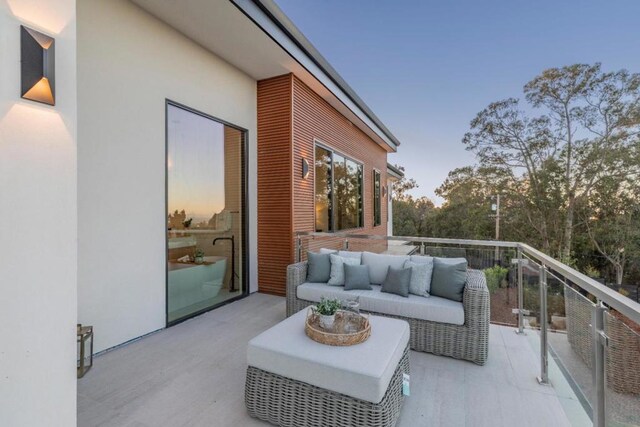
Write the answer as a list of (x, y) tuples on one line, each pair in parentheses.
[(461, 336)]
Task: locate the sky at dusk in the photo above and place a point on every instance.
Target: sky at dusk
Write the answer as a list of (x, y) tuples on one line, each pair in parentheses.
[(426, 68)]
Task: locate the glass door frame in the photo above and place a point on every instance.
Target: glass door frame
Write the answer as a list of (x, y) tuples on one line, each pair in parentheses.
[(244, 187)]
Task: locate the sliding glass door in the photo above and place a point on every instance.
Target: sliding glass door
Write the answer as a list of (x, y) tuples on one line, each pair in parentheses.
[(205, 212)]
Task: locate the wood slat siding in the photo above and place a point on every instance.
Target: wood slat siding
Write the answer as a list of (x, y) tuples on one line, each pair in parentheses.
[(291, 117), (275, 247)]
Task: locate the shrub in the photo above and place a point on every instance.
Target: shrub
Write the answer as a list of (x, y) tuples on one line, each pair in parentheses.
[(496, 276)]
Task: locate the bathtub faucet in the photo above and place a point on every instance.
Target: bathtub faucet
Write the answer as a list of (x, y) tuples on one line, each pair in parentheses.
[(232, 287)]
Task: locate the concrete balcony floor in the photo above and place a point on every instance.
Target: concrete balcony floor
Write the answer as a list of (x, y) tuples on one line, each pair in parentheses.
[(193, 375)]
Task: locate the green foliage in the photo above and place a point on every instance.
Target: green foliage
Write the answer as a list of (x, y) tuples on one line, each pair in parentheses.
[(496, 277), (328, 307), (199, 253)]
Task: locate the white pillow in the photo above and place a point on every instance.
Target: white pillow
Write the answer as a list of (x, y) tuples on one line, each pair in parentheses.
[(328, 251), (337, 269), (349, 254), (420, 283)]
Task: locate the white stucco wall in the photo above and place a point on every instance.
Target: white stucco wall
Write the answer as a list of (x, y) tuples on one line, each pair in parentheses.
[(128, 64), (38, 302)]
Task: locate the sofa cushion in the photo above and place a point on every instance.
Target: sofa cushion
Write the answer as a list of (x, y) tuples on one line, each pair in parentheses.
[(349, 254), (356, 277), (362, 371), (434, 309), (397, 281), (328, 251), (420, 277), (318, 267), (337, 269), (449, 278), (379, 265)]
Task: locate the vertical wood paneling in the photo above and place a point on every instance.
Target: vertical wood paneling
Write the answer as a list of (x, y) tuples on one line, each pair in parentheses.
[(314, 118), (291, 116), (275, 245)]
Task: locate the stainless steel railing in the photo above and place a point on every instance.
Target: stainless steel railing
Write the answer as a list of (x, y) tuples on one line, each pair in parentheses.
[(547, 266)]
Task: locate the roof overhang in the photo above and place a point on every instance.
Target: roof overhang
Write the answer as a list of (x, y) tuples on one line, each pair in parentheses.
[(256, 37), (394, 173)]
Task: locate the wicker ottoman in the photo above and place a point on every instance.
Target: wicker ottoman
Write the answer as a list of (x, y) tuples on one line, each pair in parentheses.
[(295, 381)]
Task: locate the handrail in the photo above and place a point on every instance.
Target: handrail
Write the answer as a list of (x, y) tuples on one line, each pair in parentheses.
[(611, 298)]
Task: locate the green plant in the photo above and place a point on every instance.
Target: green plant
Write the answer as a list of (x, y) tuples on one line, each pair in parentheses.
[(199, 253), (592, 272), (328, 307), (495, 275)]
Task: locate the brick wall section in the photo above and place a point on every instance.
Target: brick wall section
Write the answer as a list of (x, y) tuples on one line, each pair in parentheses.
[(275, 247), (285, 199)]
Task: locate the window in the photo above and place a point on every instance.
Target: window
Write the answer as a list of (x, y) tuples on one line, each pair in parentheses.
[(377, 199), (338, 182)]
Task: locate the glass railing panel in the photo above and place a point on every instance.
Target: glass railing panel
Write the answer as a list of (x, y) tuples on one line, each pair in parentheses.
[(570, 348), (622, 367)]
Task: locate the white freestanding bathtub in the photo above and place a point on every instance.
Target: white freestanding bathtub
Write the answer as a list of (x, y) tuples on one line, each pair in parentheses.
[(191, 283)]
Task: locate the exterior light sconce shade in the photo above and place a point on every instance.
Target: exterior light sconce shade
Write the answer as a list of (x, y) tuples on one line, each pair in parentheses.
[(37, 69), (305, 168), (384, 191)]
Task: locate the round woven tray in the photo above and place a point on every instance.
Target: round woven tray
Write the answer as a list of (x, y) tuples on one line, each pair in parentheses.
[(348, 329)]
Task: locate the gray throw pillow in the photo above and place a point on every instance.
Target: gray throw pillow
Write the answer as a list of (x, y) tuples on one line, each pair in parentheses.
[(449, 278), (337, 269), (420, 277), (318, 267), (356, 277), (397, 281)]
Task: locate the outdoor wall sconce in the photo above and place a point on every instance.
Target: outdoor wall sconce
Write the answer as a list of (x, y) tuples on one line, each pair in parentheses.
[(85, 349), (38, 63), (384, 191), (305, 168)]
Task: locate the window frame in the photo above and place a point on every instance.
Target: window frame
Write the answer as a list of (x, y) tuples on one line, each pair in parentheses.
[(332, 219)]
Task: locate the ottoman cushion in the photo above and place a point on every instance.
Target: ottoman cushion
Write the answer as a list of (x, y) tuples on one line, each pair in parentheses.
[(362, 371)]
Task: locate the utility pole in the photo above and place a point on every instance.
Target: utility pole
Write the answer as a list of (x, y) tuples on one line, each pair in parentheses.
[(496, 208)]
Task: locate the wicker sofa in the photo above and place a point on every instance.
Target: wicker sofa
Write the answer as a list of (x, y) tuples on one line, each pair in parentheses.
[(466, 338)]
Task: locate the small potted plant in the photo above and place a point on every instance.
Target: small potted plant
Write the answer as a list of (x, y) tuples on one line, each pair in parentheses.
[(198, 257), (327, 309)]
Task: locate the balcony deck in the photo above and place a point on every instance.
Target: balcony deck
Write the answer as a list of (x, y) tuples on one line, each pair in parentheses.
[(193, 374)]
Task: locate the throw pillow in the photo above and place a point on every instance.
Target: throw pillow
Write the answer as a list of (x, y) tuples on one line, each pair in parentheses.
[(318, 267), (337, 269), (449, 278), (379, 265), (397, 281), (356, 277), (420, 277)]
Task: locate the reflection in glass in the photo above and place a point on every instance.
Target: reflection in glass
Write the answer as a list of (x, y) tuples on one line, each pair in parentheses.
[(323, 190), (204, 199), (338, 192), (377, 200)]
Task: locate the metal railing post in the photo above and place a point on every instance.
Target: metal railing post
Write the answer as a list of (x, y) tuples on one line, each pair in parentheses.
[(345, 245), (520, 295), (600, 341), (298, 248), (544, 342), (422, 249)]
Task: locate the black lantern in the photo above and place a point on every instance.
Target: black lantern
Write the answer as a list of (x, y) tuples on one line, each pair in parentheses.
[(85, 349)]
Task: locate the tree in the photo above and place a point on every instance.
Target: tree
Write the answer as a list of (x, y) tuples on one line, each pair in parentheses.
[(612, 219), (589, 124), (403, 186)]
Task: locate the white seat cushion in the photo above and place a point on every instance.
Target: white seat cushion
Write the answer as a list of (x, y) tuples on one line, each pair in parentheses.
[(379, 265), (434, 308), (362, 371)]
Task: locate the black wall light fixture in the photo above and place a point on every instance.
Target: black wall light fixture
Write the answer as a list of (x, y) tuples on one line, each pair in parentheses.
[(305, 168), (38, 63)]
